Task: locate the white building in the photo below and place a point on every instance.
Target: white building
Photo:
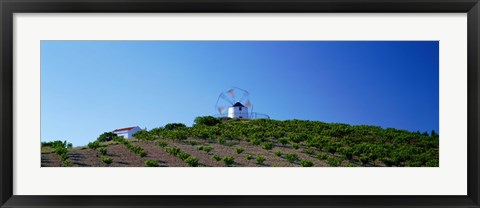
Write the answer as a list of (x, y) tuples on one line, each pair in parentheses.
[(127, 132), (238, 111)]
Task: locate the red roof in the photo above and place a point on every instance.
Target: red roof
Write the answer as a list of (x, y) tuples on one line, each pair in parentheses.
[(124, 129)]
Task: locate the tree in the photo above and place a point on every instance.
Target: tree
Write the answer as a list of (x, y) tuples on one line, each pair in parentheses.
[(173, 126), (207, 120), (106, 136)]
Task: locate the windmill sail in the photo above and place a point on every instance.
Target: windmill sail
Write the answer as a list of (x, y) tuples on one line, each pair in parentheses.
[(232, 93), (221, 110)]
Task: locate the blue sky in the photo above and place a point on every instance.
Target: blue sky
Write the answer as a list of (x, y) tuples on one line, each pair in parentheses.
[(90, 87)]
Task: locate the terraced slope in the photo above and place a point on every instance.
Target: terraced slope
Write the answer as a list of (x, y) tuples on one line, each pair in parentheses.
[(213, 142)]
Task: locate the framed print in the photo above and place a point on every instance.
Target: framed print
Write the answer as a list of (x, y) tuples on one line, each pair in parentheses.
[(246, 104)]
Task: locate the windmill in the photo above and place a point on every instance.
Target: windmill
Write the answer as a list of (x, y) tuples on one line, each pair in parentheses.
[(235, 103)]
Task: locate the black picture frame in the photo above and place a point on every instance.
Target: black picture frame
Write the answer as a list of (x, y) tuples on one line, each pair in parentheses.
[(9, 7)]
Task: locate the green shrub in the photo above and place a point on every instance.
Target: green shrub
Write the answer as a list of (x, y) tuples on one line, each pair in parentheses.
[(63, 156), (66, 163), (55, 144), (192, 142), (228, 160), (297, 138), (207, 149), (120, 139), (135, 149), (144, 135), (248, 156), (351, 165), (161, 144), (172, 150), (388, 162), (106, 136), (295, 146), (278, 153), (174, 126), (183, 155), (151, 163), (216, 157), (322, 156), (221, 140), (93, 145), (283, 141), (102, 151), (349, 155), (124, 141), (230, 144), (291, 157), (348, 152), (192, 161), (309, 151), (260, 160), (331, 148), (414, 163), (267, 145), (200, 147), (432, 163), (334, 161), (239, 150), (364, 159), (61, 150), (306, 163), (177, 134), (206, 120), (373, 157), (256, 141), (107, 160)]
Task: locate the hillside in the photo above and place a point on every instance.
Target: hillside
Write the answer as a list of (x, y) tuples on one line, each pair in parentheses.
[(222, 142)]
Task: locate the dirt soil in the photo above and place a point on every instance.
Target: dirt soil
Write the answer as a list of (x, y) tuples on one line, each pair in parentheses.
[(122, 157)]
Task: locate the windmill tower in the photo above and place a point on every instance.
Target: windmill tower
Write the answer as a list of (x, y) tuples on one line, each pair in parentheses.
[(238, 104), (238, 110)]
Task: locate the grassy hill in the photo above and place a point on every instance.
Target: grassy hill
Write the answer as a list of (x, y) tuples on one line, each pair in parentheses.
[(214, 142)]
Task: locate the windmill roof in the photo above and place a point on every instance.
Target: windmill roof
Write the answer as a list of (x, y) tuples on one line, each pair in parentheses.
[(238, 104)]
